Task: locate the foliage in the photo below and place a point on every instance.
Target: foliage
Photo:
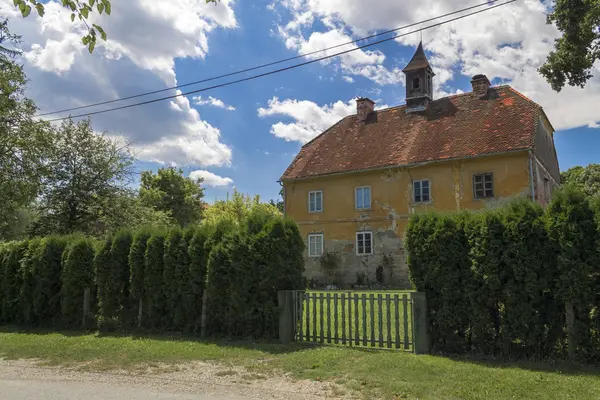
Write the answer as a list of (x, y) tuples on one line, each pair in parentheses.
[(85, 171), (177, 281), (527, 291), (245, 271), (438, 263), (77, 275), (12, 281), (579, 47), (485, 233), (112, 276), (136, 263), (154, 301), (46, 296), (238, 208), (27, 271), (587, 179), (79, 9), (573, 232), (170, 192), (198, 253), (102, 267), (24, 142)]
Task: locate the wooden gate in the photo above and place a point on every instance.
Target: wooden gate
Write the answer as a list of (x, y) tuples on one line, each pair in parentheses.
[(365, 319)]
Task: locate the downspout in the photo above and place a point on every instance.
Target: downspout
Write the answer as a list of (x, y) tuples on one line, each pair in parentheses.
[(531, 176)]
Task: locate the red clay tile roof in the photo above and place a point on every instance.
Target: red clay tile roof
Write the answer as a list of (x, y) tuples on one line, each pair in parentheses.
[(457, 126)]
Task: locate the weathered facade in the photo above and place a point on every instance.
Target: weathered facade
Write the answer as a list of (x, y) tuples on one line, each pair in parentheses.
[(354, 187)]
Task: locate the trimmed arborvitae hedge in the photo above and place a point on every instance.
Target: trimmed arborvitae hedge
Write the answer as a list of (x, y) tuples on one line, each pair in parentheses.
[(526, 271), (119, 254), (137, 255), (77, 275), (574, 235), (46, 298), (28, 262), (154, 301), (12, 282), (198, 254), (238, 266), (102, 266)]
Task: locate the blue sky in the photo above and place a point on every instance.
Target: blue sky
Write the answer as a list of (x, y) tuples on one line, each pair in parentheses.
[(245, 135)]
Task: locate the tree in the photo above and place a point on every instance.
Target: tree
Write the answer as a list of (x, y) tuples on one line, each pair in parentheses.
[(86, 172), (170, 192), (587, 179), (579, 47), (237, 209), (23, 142), (279, 204), (79, 9)]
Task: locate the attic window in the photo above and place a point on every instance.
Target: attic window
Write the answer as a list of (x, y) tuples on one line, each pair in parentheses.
[(416, 83), (429, 81)]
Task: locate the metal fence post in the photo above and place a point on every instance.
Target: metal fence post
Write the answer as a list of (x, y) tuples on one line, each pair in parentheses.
[(419, 323), (287, 300)]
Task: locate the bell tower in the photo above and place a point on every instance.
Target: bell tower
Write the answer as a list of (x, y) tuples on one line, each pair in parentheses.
[(419, 85)]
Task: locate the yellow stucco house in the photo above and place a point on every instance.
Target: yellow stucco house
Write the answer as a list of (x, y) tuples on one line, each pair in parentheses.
[(353, 188)]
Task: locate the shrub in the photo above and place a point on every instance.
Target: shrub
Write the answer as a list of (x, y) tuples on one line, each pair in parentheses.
[(177, 280), (102, 267), (439, 266), (119, 254), (136, 271), (46, 297), (485, 233), (11, 285), (27, 271), (198, 253), (77, 275), (155, 306), (574, 235)]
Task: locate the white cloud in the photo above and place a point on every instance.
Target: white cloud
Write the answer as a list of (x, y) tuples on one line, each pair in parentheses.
[(366, 63), (144, 39), (199, 101), (508, 43), (594, 125), (310, 119), (348, 79), (211, 179)]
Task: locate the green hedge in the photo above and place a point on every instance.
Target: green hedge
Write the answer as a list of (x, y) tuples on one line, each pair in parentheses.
[(46, 298), (77, 275), (500, 282), (167, 274), (154, 304)]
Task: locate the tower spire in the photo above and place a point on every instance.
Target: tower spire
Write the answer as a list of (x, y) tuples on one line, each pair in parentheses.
[(419, 87)]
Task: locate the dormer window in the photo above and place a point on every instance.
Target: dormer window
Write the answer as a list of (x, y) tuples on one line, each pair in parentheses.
[(428, 82), (416, 83)]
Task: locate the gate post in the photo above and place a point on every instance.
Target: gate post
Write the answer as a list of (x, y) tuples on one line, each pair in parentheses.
[(287, 300), (419, 323)]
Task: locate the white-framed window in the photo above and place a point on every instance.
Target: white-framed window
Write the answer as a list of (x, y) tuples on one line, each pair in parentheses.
[(483, 186), (315, 244), (315, 201), (421, 191), (364, 243), (362, 197)]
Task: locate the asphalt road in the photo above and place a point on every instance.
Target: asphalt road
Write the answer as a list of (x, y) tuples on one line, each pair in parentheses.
[(52, 390)]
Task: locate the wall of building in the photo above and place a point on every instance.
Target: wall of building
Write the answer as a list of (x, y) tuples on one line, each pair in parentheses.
[(391, 207), (546, 172)]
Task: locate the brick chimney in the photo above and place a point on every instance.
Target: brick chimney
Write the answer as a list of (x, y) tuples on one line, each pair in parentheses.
[(480, 84), (364, 106)]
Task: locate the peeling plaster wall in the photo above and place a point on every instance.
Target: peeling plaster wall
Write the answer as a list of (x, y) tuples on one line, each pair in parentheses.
[(391, 207)]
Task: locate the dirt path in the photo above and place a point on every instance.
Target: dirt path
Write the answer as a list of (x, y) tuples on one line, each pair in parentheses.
[(191, 381)]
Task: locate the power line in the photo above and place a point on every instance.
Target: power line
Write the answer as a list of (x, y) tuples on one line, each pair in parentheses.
[(486, 3), (281, 69)]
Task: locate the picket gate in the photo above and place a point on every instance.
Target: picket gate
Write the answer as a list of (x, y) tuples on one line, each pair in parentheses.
[(382, 320)]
